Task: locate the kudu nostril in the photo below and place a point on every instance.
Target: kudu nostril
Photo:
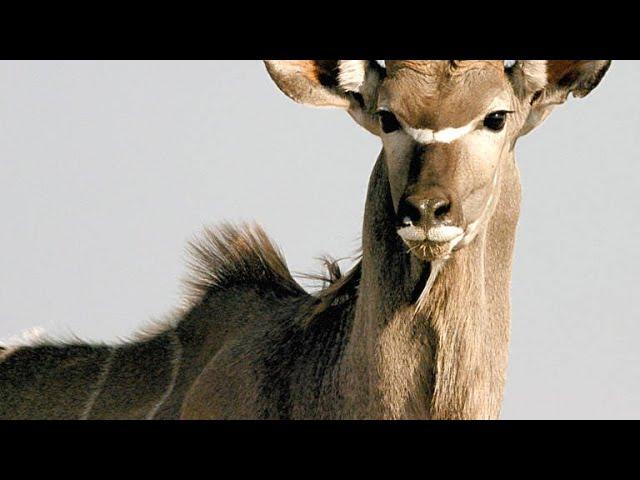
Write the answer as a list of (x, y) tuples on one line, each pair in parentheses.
[(428, 209), (408, 214), (435, 209), (441, 210)]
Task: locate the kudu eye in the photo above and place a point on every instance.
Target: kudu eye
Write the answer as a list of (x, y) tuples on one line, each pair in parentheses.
[(495, 120), (388, 121)]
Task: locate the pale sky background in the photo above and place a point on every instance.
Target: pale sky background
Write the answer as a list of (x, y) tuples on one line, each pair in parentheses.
[(108, 168)]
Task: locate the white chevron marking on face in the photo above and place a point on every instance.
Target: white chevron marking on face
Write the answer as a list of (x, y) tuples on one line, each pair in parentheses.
[(446, 135)]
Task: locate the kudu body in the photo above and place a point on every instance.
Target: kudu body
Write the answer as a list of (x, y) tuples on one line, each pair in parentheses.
[(419, 328)]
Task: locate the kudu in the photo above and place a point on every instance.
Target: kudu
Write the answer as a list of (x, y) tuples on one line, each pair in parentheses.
[(419, 328)]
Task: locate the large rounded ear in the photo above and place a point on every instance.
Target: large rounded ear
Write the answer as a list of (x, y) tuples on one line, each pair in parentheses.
[(351, 85), (543, 84)]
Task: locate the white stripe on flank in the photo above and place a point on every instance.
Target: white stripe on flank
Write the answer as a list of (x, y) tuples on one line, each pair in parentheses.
[(97, 388), (175, 368)]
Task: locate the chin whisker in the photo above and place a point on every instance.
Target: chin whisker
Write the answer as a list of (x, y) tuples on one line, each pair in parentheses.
[(436, 267), (412, 249)]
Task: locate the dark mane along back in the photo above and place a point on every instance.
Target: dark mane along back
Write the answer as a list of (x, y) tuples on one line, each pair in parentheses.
[(243, 256)]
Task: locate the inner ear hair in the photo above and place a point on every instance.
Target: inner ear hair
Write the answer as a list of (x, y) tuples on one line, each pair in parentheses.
[(535, 97), (528, 77), (351, 85), (337, 83), (354, 75), (533, 77), (561, 77), (360, 80), (577, 76), (310, 82)]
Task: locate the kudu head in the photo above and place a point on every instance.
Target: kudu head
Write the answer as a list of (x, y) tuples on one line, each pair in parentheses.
[(447, 127)]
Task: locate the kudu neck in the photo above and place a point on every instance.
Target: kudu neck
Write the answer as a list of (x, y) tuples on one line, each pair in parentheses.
[(449, 359)]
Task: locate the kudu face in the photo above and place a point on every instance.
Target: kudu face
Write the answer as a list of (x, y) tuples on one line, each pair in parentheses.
[(446, 127)]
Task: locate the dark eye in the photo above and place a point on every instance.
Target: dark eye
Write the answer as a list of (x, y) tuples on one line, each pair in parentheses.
[(495, 120), (388, 121)]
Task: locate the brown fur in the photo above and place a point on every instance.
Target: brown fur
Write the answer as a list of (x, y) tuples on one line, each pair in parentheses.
[(229, 256), (398, 336)]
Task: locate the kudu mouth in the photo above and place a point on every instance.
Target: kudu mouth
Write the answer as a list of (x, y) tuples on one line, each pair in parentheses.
[(428, 219), (432, 243), (438, 234)]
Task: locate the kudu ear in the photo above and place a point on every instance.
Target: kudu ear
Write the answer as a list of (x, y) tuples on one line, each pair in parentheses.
[(348, 84), (547, 83)]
